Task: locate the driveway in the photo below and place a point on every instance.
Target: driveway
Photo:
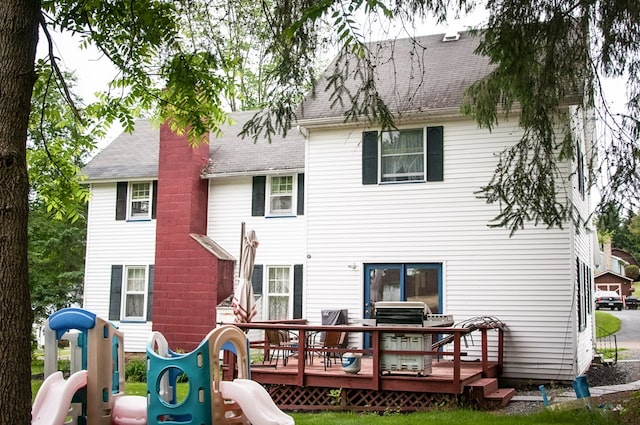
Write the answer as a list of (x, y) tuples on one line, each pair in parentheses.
[(629, 334)]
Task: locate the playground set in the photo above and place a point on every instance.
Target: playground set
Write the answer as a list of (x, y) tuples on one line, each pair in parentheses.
[(94, 392)]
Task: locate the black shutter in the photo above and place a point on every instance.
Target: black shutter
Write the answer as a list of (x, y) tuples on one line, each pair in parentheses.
[(370, 157), (115, 293), (297, 291), (154, 199), (301, 194), (150, 293), (435, 165), (256, 279), (257, 198), (121, 200)]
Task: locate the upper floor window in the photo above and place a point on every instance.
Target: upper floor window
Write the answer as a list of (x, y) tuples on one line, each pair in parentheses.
[(140, 202), (136, 200), (281, 195), (410, 155), (580, 170), (402, 155)]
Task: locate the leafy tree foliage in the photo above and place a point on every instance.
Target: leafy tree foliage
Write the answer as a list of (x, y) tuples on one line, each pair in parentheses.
[(60, 137), (632, 272), (56, 260)]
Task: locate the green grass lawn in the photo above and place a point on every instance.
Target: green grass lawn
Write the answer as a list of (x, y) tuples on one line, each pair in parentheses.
[(440, 417), (606, 324), (457, 417)]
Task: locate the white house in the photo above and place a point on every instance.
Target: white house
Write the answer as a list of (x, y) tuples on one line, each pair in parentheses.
[(348, 214)]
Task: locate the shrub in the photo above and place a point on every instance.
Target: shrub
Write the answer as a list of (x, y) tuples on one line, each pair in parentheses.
[(632, 272), (135, 370)]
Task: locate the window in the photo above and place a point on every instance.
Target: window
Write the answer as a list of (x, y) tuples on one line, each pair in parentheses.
[(140, 200), (580, 170), (131, 294), (583, 283), (136, 200), (276, 298), (278, 294), (135, 292), (280, 195), (402, 155)]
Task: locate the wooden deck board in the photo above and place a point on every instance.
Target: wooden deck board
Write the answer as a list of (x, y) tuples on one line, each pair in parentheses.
[(440, 378)]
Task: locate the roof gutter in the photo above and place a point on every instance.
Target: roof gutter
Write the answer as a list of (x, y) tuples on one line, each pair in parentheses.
[(406, 117), (250, 173)]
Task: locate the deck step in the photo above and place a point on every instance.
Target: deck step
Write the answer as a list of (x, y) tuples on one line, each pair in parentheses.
[(486, 393), (482, 387), (501, 396)]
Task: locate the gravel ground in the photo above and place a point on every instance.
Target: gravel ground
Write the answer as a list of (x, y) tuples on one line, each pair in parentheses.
[(625, 371)]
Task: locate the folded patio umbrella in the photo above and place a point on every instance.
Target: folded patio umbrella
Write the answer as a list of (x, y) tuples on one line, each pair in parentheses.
[(244, 305)]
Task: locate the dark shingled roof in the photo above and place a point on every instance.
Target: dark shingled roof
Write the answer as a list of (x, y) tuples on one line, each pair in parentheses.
[(412, 75), (135, 155), (129, 156), (231, 154)]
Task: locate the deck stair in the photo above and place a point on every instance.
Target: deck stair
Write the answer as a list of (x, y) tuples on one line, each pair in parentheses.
[(485, 393)]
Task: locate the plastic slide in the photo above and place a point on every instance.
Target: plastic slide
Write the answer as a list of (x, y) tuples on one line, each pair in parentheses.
[(52, 402), (255, 402)]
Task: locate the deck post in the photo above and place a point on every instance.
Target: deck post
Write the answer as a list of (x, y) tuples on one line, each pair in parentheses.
[(302, 357), (375, 345), (485, 352), (500, 349), (456, 359)]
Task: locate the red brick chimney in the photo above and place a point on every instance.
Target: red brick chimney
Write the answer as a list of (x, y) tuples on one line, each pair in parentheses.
[(189, 281)]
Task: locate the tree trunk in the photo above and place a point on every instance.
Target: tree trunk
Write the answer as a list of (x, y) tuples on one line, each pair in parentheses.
[(18, 40)]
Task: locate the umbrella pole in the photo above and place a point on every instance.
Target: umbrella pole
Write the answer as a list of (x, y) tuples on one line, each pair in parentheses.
[(241, 246)]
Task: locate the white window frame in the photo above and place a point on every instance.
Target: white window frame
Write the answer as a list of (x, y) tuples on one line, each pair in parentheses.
[(398, 177), (269, 196), (134, 292), (148, 199), (268, 293)]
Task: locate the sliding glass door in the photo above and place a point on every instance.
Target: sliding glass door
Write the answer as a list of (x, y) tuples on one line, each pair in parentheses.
[(403, 282)]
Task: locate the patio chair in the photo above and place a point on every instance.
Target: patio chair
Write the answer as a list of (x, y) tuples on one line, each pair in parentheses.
[(279, 343), (333, 340)]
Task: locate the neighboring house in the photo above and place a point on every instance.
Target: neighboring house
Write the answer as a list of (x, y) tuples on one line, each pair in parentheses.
[(610, 281), (610, 274), (349, 215)]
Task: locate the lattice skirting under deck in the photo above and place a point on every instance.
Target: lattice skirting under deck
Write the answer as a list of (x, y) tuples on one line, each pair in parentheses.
[(289, 397)]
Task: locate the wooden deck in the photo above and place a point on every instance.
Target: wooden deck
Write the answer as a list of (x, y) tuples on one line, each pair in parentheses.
[(309, 385)]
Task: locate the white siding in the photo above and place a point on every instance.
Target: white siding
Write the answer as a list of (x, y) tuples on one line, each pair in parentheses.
[(584, 240), (281, 239), (112, 242), (524, 280)]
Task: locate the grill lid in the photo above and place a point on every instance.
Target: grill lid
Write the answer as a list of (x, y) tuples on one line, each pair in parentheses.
[(400, 312)]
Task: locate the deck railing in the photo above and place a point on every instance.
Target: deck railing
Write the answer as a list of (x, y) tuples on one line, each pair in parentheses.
[(451, 352)]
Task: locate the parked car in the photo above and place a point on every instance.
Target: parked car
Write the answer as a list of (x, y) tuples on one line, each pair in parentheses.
[(631, 303), (608, 299)]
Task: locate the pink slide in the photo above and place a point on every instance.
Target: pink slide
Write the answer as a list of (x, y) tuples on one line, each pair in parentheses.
[(52, 402), (255, 402)]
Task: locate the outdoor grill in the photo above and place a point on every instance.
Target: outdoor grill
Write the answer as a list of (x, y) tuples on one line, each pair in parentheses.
[(400, 313), (406, 313)]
